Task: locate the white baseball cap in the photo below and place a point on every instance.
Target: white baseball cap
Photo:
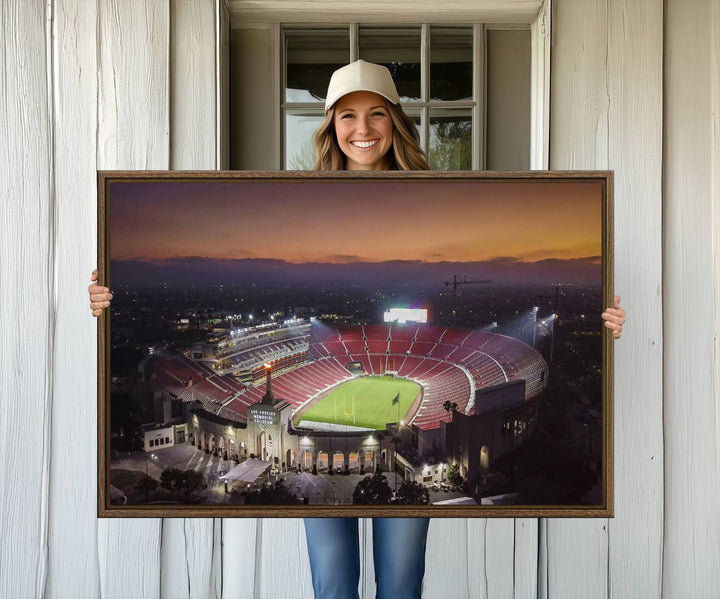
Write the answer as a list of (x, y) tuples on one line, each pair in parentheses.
[(361, 76)]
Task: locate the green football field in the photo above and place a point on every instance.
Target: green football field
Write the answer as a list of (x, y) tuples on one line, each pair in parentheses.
[(366, 402)]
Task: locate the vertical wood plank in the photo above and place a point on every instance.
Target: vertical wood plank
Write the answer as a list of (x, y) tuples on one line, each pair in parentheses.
[(133, 124), (26, 305), (635, 86), (449, 557), (610, 99), (73, 562), (190, 565), (715, 194), (525, 574), (367, 565), (499, 559), (240, 558), (692, 398), (530, 558), (193, 85), (222, 62), (187, 555), (471, 558), (540, 89), (283, 568), (577, 550)]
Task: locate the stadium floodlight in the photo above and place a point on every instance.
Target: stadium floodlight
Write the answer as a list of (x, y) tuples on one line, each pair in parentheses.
[(402, 423), (267, 365)]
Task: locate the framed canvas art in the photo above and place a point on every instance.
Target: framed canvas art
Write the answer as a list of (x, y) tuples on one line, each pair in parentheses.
[(355, 344)]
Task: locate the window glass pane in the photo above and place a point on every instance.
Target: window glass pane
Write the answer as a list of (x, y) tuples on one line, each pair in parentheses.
[(415, 116), (299, 150), (450, 145), (451, 56), (398, 50), (310, 58)]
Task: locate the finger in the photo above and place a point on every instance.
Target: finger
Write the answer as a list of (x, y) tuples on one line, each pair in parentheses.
[(94, 275), (611, 312), (617, 302), (95, 289), (617, 334), (97, 312), (100, 297), (100, 304), (613, 317)]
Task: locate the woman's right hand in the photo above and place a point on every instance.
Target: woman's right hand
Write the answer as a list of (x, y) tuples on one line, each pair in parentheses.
[(99, 296)]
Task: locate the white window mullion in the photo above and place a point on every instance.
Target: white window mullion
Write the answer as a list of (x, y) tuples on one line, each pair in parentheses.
[(354, 42), (425, 86), (479, 86), (279, 62)]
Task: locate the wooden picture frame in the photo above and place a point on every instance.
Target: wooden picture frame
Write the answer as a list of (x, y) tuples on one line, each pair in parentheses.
[(251, 308)]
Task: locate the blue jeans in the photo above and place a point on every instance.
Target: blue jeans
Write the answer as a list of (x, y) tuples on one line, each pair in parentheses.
[(398, 552)]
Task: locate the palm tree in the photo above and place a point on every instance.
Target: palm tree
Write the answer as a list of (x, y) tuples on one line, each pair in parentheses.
[(450, 406)]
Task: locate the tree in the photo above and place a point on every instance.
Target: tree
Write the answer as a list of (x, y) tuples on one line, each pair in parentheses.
[(146, 485), (304, 158), (454, 475), (450, 406), (372, 490), (412, 493), (450, 144), (277, 494), (183, 482)]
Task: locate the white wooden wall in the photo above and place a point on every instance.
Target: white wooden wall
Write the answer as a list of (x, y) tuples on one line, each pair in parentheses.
[(134, 84)]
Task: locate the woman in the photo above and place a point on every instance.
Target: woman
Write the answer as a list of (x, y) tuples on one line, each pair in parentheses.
[(365, 129)]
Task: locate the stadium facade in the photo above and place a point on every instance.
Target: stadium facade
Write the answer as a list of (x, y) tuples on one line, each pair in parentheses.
[(243, 396)]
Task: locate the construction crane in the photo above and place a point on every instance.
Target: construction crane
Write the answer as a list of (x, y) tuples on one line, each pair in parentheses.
[(454, 282)]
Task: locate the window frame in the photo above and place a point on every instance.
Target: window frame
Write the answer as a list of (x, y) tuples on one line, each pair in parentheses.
[(271, 13), (476, 106)]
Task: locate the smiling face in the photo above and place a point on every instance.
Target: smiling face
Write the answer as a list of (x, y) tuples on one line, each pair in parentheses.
[(364, 130)]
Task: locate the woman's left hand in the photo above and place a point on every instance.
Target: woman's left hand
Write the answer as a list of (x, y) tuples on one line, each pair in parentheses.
[(615, 318)]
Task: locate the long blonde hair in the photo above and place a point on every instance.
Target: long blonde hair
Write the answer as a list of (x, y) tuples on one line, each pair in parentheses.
[(405, 154)]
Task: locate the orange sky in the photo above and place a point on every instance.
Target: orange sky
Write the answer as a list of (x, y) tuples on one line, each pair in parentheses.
[(356, 221)]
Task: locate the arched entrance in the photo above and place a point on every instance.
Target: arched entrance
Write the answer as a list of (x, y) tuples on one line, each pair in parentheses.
[(261, 444), (290, 458), (354, 460), (307, 460), (338, 461), (485, 457), (232, 450)]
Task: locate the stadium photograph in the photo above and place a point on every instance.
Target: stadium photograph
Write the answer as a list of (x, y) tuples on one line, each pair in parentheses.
[(355, 342)]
